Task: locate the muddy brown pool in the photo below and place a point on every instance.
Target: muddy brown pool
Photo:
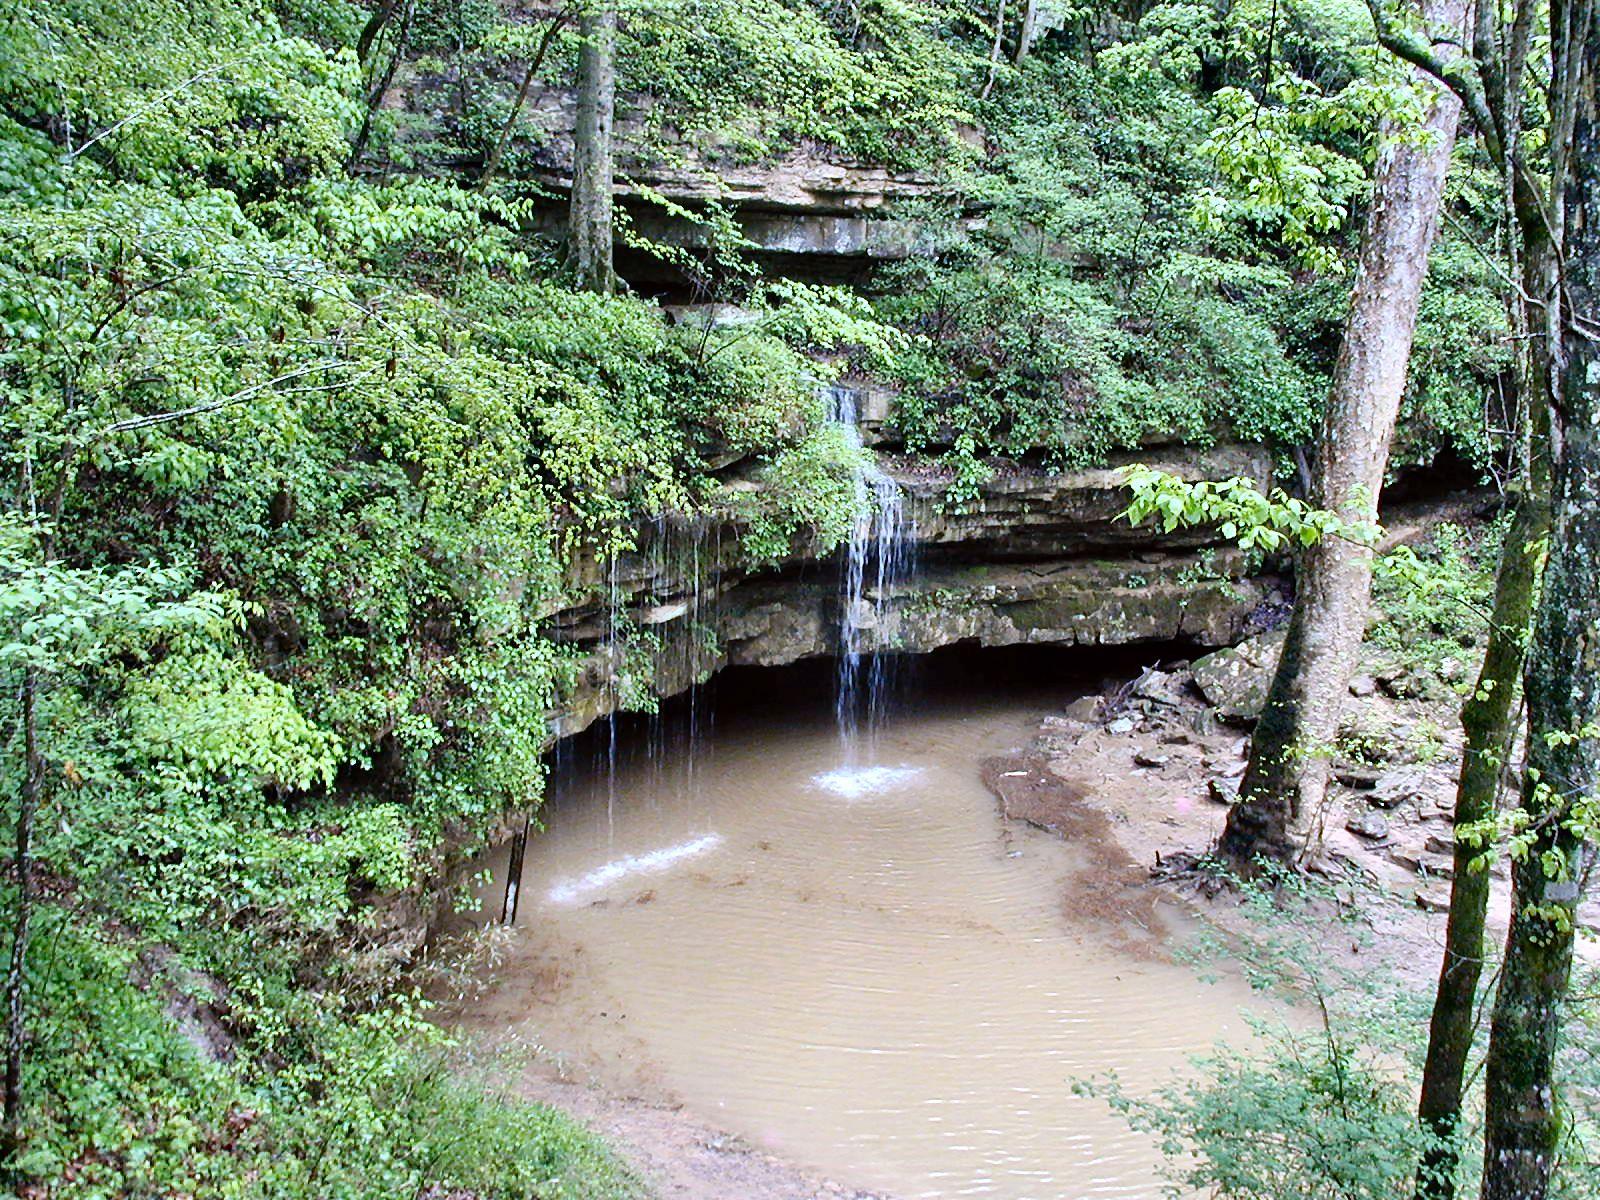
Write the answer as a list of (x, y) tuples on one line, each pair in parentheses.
[(841, 953)]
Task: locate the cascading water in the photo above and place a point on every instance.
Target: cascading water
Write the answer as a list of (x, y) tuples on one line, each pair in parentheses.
[(880, 553), (878, 556)]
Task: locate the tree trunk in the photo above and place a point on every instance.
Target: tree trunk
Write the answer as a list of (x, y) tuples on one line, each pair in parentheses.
[(492, 163), (1286, 777), (994, 52), (1523, 1124), (591, 218), (1030, 22), (515, 863), (1488, 723), (380, 87), (374, 26), (16, 982), (1487, 718)]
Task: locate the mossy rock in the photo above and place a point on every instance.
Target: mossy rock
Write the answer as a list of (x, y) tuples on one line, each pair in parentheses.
[(1235, 681)]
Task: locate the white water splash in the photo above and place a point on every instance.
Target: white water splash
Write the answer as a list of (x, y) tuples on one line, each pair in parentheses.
[(572, 890), (855, 782)]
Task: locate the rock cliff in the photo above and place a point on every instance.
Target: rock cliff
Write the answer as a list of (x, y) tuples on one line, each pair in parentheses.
[(1038, 558)]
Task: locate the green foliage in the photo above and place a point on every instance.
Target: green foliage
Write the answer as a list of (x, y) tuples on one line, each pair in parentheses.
[(1162, 246), (1274, 154), (1433, 603), (187, 96), (127, 1105), (1240, 511), (1089, 313), (1304, 1119), (813, 489), (753, 77), (1460, 354), (447, 25)]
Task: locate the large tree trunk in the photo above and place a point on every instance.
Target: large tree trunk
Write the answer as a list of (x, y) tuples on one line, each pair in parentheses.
[(1488, 717), (1523, 1124), (22, 927), (591, 218), (1030, 22), (1287, 773)]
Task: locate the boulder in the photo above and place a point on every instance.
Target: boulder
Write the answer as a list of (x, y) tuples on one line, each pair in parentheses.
[(1370, 825), (1223, 791), (1084, 708), (1235, 680), (1160, 688), (1357, 776), (1394, 787)]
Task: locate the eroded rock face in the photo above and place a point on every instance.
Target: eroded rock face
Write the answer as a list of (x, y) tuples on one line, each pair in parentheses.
[(802, 180), (1040, 559), (805, 203), (1032, 513)]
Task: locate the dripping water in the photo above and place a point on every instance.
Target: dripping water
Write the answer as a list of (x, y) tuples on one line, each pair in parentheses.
[(613, 684)]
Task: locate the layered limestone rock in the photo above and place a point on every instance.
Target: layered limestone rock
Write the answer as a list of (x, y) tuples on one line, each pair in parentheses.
[(1038, 558), (810, 210)]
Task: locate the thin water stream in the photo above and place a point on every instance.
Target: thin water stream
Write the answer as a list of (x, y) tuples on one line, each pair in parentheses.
[(843, 954), (881, 552)]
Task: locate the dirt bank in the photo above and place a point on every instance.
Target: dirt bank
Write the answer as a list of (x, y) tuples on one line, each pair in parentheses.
[(1143, 775), (678, 1156)]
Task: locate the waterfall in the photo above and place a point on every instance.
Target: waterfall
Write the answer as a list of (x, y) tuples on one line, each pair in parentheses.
[(880, 553)]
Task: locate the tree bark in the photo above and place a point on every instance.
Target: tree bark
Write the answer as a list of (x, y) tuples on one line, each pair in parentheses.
[(1030, 22), (16, 980), (1523, 1122), (590, 233), (1487, 718), (1286, 777)]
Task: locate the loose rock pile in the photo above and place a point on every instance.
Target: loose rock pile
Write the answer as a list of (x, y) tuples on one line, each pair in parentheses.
[(1392, 787)]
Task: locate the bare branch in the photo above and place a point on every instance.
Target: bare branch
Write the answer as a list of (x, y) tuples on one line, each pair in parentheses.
[(154, 104), (144, 422)]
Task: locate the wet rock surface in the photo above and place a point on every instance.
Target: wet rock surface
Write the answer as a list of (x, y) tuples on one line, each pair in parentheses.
[(1038, 558)]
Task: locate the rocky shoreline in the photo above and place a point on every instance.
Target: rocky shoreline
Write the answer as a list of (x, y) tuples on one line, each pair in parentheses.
[(1150, 767)]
